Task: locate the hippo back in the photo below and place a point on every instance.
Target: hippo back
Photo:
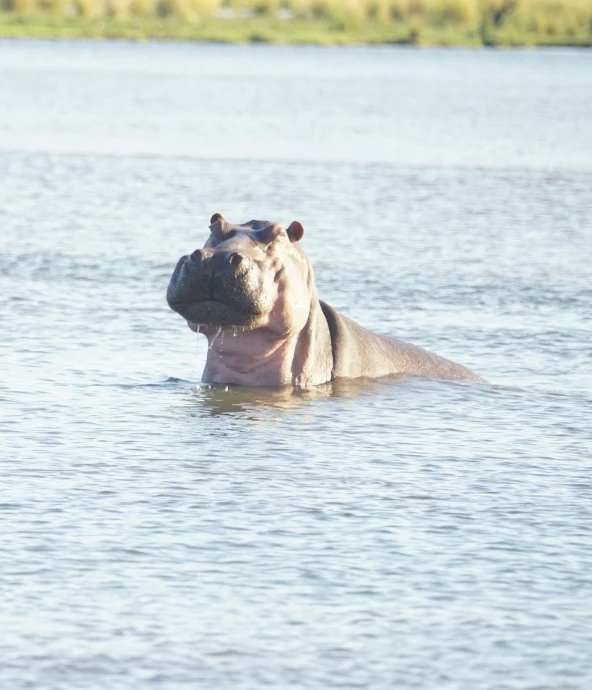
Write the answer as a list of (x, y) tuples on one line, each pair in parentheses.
[(359, 352)]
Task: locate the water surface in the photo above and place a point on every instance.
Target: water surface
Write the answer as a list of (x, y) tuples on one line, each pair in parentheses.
[(388, 534)]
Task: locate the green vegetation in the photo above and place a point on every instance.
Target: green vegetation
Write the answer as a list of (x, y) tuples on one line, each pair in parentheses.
[(426, 22)]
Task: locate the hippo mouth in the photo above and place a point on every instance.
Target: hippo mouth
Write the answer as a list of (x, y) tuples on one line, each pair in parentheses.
[(212, 312)]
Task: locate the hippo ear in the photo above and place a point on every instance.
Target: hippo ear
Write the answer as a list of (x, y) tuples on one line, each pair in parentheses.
[(218, 227), (295, 231)]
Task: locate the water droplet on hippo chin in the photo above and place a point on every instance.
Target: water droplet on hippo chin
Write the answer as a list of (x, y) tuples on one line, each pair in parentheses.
[(234, 332), (214, 338)]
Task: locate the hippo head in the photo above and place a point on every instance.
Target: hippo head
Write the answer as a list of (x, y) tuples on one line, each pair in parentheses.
[(245, 277)]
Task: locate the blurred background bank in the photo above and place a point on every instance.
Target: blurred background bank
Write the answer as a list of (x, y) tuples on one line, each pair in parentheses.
[(425, 22)]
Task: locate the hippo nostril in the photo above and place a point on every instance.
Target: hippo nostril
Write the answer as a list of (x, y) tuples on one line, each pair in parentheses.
[(196, 255), (235, 259)]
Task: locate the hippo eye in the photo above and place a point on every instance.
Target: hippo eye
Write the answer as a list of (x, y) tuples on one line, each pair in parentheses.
[(227, 235), (267, 235)]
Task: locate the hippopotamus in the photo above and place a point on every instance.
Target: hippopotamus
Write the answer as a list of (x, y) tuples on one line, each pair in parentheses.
[(251, 291)]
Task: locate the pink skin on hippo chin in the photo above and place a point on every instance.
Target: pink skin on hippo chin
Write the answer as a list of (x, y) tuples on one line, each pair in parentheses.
[(251, 292), (248, 358)]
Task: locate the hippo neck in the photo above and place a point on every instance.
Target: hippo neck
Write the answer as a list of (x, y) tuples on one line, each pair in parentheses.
[(262, 358)]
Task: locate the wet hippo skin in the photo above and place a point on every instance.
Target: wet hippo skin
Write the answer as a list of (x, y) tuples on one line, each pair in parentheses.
[(251, 291)]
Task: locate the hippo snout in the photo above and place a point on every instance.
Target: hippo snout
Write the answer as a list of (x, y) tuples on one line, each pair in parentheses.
[(203, 275), (177, 291), (216, 260), (216, 287)]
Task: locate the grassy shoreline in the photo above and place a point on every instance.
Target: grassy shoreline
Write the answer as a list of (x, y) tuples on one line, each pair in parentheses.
[(266, 28)]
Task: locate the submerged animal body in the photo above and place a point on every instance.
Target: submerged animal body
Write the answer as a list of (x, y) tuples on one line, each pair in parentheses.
[(254, 284)]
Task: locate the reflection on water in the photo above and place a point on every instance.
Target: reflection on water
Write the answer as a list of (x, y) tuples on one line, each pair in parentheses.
[(407, 533), (219, 399)]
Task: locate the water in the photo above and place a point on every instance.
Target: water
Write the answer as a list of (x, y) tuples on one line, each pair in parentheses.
[(387, 534)]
